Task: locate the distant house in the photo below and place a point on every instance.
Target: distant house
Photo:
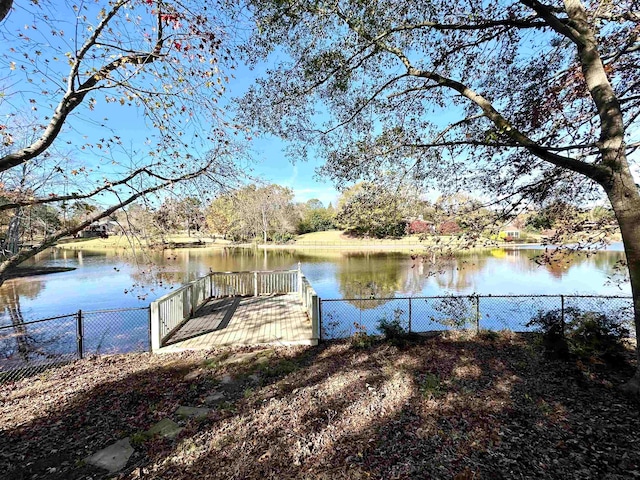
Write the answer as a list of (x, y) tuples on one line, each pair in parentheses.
[(100, 229), (511, 232)]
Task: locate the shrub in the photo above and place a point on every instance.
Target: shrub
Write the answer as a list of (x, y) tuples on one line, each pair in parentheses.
[(553, 335), (392, 329), (449, 227), (282, 237), (594, 334), (361, 339), (586, 334), (418, 226)]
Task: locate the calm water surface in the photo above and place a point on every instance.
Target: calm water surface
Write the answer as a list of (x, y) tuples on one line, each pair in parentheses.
[(108, 279)]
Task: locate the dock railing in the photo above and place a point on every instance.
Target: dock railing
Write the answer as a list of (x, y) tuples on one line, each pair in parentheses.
[(171, 311), (311, 304)]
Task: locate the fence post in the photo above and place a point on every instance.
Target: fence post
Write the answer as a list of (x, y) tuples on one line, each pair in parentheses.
[(562, 314), (315, 317), (149, 327), (186, 303), (299, 279), (319, 319), (409, 314), (79, 335), (255, 284), (194, 297), (477, 314)]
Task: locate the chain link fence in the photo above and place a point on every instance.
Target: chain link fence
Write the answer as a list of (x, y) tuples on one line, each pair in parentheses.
[(29, 347), (341, 318)]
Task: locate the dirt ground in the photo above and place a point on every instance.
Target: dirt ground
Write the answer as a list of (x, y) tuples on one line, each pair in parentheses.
[(465, 408)]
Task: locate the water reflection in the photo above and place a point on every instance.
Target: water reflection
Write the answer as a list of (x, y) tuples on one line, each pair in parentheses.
[(16, 341), (111, 279)]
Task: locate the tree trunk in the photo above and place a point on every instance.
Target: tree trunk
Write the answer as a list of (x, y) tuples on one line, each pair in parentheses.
[(625, 200), (5, 8), (13, 232), (264, 225)]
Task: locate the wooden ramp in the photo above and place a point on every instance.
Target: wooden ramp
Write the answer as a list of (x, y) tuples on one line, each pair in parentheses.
[(274, 319)]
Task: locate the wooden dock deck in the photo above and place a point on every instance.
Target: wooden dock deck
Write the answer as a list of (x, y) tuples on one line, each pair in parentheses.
[(255, 320), (275, 307)]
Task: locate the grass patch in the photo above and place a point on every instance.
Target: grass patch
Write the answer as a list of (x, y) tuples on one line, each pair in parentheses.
[(140, 438), (279, 368), (430, 386)]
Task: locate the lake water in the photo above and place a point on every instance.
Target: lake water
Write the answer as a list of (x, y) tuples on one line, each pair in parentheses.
[(350, 284), (108, 279)]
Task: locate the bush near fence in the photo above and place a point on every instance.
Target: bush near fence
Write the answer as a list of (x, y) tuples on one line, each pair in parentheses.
[(342, 318), (29, 347)]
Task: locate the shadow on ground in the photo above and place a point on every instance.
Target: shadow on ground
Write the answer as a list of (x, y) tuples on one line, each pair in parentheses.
[(435, 408)]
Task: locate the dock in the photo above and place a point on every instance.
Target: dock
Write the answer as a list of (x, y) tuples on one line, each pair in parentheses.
[(237, 308)]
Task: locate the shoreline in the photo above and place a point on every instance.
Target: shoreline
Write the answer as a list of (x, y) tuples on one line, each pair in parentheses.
[(31, 271), (302, 246), (434, 243)]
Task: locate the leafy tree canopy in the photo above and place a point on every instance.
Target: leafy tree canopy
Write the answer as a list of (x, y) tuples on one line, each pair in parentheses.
[(521, 98), (372, 210), (69, 65)]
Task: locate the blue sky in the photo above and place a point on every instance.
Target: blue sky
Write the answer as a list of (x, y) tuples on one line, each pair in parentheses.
[(269, 160), (273, 165)]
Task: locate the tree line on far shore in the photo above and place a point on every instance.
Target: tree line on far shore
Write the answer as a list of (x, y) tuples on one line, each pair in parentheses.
[(269, 213)]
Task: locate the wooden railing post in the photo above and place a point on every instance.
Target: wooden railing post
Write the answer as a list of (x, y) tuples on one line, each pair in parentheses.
[(156, 335), (255, 284)]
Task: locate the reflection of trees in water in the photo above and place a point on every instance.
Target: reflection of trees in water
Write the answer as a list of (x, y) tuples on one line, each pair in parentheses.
[(369, 275), (11, 309), (359, 274), (18, 341), (559, 261), (458, 271)]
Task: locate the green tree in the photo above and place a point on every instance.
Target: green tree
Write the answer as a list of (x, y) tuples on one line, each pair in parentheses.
[(463, 211), (372, 210), (254, 212), (315, 217), (181, 214), (219, 215), (519, 98)]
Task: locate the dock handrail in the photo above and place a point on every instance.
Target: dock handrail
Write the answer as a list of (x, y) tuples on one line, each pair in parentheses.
[(172, 310), (311, 304)]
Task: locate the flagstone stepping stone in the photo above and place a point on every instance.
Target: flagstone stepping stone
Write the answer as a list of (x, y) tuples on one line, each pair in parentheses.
[(215, 397), (194, 374), (112, 458), (166, 428), (192, 412)]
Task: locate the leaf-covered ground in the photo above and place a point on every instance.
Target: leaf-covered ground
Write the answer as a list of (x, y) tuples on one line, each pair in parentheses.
[(439, 408)]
